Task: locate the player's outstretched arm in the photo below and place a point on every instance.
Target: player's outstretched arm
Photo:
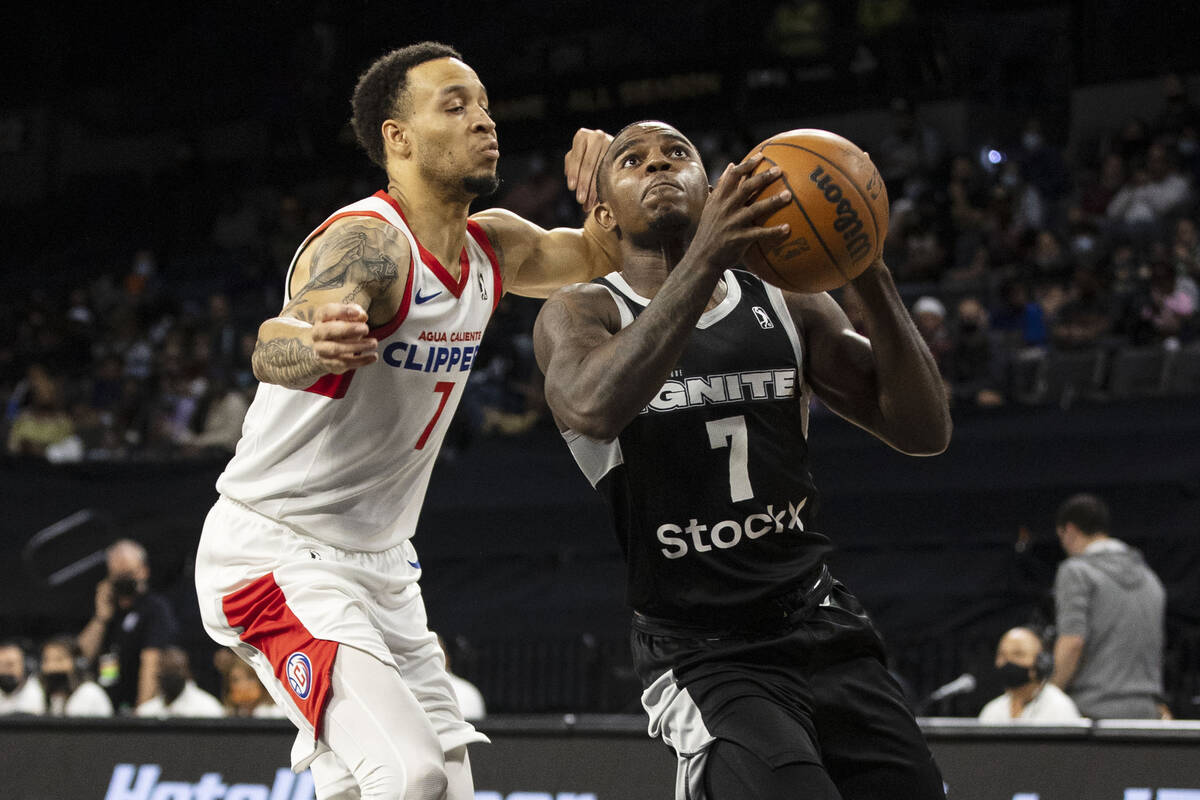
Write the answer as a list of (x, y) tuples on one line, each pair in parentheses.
[(535, 261), (353, 282), (887, 382), (599, 375)]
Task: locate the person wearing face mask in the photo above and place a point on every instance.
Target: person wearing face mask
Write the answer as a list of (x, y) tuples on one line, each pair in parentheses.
[(245, 695), (68, 691), (1024, 669), (18, 694), (130, 628), (178, 695)]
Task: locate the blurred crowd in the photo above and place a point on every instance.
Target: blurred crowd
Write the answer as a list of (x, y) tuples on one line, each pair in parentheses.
[(1006, 254)]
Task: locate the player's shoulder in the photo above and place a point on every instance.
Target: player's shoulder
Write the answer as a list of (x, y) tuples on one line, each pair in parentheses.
[(580, 302), (366, 231)]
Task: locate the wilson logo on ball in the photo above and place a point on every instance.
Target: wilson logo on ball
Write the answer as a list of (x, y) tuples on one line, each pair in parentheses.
[(848, 223), (299, 675)]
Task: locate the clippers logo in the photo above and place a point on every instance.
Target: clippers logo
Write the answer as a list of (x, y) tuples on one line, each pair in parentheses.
[(764, 320), (299, 675)]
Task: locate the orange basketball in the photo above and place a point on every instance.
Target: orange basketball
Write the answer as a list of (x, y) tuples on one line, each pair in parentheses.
[(838, 214)]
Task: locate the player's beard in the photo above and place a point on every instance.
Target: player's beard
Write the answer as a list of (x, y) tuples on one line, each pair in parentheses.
[(481, 185)]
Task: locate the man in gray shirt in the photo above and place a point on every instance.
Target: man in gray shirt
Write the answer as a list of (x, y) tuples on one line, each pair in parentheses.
[(1110, 609)]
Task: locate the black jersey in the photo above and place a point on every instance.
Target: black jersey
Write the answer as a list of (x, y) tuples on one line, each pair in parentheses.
[(709, 485)]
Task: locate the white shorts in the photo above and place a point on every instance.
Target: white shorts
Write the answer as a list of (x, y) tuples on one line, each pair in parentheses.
[(285, 602)]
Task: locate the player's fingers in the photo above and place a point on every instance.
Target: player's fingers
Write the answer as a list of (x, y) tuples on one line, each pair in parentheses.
[(338, 331), (351, 312), (765, 206), (593, 146), (773, 233), (339, 350), (756, 183)]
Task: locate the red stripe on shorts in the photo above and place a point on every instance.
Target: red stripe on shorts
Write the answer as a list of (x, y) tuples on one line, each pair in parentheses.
[(301, 662)]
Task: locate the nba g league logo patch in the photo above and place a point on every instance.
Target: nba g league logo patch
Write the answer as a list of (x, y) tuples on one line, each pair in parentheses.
[(299, 675)]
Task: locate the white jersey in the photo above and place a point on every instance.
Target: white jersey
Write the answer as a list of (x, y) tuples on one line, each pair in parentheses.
[(347, 460)]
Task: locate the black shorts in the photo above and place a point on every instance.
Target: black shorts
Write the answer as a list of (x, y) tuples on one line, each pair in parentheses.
[(814, 690)]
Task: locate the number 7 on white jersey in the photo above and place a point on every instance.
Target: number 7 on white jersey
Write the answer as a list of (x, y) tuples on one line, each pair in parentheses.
[(731, 432)]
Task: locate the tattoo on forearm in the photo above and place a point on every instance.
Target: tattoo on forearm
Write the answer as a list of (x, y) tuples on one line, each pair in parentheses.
[(357, 255), (286, 362)]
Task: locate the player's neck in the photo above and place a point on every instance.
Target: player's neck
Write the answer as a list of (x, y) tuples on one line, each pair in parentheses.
[(438, 221), (646, 269)]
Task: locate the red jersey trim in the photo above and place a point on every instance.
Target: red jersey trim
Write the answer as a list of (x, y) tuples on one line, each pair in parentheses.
[(301, 663), (476, 231), (435, 266), (332, 386)]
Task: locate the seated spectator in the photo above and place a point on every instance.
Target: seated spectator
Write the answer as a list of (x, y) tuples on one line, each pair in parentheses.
[(1110, 614), (1024, 668), (219, 418), (470, 699), (44, 422), (69, 693), (1086, 316), (19, 692), (178, 695), (972, 367), (245, 696), (929, 314)]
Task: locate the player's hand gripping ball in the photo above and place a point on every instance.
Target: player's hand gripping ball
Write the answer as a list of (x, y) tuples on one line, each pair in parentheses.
[(838, 214)]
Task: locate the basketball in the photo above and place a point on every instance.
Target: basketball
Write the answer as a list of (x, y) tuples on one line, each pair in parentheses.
[(838, 213)]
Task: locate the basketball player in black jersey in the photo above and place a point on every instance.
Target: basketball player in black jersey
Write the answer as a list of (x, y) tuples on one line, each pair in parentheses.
[(681, 386)]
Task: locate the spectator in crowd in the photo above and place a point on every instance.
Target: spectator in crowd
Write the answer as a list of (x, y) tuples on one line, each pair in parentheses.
[(130, 628), (470, 699), (971, 367), (1155, 190), (1024, 667), (20, 692), (218, 416), (69, 693), (244, 694), (1110, 616), (43, 422), (929, 314), (1086, 315), (177, 694)]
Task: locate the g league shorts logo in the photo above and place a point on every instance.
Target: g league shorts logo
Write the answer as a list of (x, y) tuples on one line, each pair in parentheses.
[(299, 675)]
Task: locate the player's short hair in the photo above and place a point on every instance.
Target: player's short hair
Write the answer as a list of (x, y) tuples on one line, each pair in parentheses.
[(382, 93), (1086, 512), (604, 171)]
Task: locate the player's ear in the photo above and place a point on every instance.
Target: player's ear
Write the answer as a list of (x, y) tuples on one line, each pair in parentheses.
[(604, 217), (397, 138)]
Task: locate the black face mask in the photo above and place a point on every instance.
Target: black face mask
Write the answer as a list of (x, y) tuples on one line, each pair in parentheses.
[(1013, 675), (125, 587), (9, 683), (56, 682), (171, 685)]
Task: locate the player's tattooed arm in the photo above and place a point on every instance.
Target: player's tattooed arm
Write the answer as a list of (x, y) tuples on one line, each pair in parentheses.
[(354, 281)]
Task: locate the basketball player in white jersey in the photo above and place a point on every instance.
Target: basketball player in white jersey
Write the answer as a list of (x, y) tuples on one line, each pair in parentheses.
[(305, 567)]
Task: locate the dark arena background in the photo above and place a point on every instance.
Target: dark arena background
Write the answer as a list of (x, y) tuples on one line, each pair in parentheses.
[(159, 165)]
